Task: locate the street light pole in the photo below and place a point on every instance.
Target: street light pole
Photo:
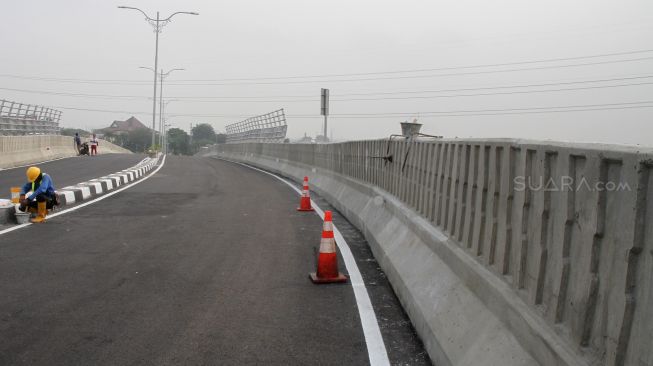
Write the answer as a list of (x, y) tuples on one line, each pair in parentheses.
[(157, 24), (156, 65), (164, 137), (165, 140), (161, 78), (161, 111)]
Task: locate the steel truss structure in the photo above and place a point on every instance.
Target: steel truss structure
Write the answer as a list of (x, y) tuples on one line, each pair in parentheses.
[(269, 127), (27, 119)]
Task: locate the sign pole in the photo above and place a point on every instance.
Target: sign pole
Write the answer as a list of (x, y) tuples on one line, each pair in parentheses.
[(324, 110)]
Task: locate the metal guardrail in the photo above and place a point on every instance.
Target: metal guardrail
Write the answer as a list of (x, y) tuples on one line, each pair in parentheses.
[(28, 119), (270, 127)]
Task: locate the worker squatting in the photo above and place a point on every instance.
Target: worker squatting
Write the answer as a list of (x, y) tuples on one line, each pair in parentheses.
[(42, 197)]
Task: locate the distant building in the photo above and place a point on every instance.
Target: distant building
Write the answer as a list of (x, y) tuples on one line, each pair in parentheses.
[(305, 140), (122, 127), (320, 139)]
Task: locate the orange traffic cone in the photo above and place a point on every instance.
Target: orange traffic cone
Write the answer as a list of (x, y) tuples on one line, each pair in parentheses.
[(327, 261), (305, 201)]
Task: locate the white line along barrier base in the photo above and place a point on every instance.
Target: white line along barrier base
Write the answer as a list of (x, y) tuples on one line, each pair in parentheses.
[(376, 350)]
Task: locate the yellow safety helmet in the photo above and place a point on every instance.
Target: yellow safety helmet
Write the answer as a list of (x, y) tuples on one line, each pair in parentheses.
[(33, 173)]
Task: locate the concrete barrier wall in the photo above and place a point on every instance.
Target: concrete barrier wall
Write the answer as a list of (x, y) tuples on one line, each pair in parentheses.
[(21, 150), (547, 244)]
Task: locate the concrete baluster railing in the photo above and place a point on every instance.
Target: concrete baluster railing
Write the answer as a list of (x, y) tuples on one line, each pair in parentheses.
[(566, 227)]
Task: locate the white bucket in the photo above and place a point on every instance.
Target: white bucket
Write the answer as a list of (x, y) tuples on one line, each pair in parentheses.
[(22, 217)]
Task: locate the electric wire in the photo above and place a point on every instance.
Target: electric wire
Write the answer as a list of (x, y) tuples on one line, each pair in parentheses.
[(359, 73), (313, 99), (211, 83), (557, 109)]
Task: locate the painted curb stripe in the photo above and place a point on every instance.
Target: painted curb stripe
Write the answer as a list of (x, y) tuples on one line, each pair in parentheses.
[(107, 184), (85, 191), (94, 187), (66, 197)]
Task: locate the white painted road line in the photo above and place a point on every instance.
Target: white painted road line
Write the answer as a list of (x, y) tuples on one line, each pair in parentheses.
[(375, 346), (99, 198)]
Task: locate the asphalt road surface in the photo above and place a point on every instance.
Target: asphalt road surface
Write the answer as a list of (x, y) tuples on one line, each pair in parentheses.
[(70, 171), (204, 263)]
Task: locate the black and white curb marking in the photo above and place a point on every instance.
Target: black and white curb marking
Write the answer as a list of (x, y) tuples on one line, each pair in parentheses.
[(94, 187)]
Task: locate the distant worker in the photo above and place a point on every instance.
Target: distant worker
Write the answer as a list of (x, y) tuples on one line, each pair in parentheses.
[(78, 142), (43, 196), (94, 144)]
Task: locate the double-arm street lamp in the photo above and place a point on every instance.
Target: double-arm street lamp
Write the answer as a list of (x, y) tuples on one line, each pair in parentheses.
[(164, 124), (157, 24), (165, 140), (162, 77)]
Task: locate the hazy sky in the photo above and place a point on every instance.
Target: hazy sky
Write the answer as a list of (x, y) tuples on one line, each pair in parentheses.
[(272, 47)]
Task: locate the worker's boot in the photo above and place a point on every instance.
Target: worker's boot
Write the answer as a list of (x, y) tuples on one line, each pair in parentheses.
[(42, 212)]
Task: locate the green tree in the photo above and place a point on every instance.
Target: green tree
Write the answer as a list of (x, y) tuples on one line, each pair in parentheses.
[(178, 141), (204, 132), (137, 140), (221, 138)]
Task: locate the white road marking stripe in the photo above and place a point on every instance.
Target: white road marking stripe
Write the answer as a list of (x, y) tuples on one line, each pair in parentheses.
[(99, 198), (375, 346)]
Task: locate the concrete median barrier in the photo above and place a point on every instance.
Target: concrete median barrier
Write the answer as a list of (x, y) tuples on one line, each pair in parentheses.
[(502, 252), (22, 150), (95, 187)]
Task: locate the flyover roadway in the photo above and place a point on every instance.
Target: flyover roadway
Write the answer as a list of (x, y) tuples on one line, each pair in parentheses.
[(205, 262)]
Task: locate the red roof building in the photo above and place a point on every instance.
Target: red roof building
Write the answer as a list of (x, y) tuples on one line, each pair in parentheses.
[(120, 127)]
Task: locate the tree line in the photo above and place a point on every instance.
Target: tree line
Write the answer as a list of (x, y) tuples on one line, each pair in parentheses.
[(179, 141), (203, 134)]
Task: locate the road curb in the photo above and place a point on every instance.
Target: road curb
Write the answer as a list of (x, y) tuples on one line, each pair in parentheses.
[(98, 186)]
